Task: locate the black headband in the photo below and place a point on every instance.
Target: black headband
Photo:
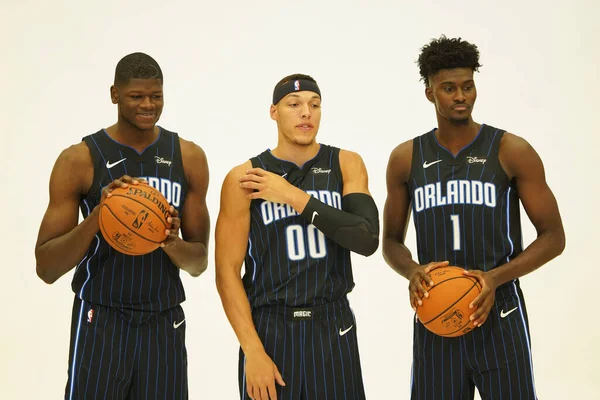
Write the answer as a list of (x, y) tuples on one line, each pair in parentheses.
[(298, 85)]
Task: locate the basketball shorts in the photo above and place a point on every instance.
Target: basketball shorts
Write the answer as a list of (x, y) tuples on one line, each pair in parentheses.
[(315, 349), (126, 354), (494, 358)]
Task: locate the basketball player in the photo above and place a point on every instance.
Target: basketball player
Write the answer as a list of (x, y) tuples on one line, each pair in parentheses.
[(294, 214), (464, 183), (128, 331)]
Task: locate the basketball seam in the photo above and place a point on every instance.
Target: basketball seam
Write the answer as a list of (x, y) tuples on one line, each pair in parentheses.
[(147, 208), (454, 277), (125, 225), (450, 306)]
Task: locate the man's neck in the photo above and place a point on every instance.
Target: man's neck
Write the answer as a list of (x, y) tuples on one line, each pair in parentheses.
[(297, 154), (455, 136), (131, 136)]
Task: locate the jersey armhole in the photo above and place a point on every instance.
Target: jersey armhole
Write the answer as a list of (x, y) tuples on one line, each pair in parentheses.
[(96, 165)]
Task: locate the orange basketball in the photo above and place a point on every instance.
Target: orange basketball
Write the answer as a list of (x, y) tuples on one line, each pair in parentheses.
[(446, 312), (134, 219)]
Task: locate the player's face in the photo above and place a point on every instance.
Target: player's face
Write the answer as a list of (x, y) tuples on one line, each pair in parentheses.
[(298, 117), (140, 102), (453, 92)]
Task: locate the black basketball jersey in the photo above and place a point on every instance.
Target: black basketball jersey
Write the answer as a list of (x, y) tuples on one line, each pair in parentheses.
[(289, 261), (105, 276), (465, 208)]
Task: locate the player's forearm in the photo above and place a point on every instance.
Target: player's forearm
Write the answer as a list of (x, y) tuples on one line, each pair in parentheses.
[(547, 246), (58, 256), (237, 308), (398, 257), (355, 227), (191, 257)]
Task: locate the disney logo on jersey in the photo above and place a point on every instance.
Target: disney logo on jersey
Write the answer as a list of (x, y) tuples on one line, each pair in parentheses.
[(476, 160), (171, 190), (272, 212), (160, 160), (316, 170)]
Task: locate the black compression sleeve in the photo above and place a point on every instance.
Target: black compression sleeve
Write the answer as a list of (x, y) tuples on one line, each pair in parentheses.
[(355, 227)]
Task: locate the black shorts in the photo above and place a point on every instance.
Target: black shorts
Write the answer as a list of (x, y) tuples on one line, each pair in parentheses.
[(126, 354), (314, 348), (495, 358)]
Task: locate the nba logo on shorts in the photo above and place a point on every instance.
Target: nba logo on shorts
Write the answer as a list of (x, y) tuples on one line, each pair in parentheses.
[(90, 316), (296, 85)]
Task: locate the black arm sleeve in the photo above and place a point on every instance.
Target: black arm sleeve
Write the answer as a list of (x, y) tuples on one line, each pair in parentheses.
[(355, 226)]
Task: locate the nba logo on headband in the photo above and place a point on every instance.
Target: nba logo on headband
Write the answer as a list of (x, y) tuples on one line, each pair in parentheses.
[(297, 85)]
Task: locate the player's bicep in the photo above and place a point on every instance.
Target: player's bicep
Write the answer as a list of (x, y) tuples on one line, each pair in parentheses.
[(195, 219), (233, 225), (354, 173), (524, 164), (62, 214), (396, 212), (537, 198)]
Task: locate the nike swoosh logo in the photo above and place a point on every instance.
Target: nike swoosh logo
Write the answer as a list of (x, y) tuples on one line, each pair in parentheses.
[(343, 332), (109, 165), (177, 325), (427, 165), (504, 314), (313, 217)]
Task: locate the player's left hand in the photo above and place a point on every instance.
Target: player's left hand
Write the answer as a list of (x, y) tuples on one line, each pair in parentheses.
[(173, 232), (267, 186), (485, 301)]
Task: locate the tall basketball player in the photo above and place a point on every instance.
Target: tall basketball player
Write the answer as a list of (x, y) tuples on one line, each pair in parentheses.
[(294, 214), (464, 183), (128, 330)]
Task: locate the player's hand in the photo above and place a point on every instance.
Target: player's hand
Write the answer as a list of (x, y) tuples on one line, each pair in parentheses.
[(173, 232), (267, 186), (419, 280), (485, 301), (261, 375), (121, 182)]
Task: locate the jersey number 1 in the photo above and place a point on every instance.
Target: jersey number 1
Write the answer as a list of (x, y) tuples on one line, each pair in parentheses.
[(296, 244), (455, 231)]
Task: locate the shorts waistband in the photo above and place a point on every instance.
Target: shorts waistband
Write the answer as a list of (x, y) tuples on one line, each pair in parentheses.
[(306, 313)]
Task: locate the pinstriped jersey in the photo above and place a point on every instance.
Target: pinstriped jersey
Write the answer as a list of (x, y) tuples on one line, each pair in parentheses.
[(465, 208), (289, 261), (105, 276)]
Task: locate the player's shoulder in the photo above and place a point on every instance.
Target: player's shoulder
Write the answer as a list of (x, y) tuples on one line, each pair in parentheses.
[(403, 150), (513, 143), (77, 156), (236, 172), (191, 148), (517, 155), (350, 157), (400, 159)]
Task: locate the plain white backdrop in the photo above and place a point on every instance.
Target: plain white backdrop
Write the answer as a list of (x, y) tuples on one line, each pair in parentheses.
[(220, 62)]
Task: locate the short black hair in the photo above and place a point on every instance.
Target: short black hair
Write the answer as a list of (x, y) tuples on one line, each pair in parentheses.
[(444, 53), (294, 77), (137, 66)]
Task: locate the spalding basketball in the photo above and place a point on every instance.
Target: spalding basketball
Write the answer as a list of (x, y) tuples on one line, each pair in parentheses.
[(446, 312), (133, 220)]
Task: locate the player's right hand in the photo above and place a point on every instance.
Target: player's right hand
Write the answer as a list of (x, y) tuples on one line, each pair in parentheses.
[(121, 182), (417, 281), (261, 375)]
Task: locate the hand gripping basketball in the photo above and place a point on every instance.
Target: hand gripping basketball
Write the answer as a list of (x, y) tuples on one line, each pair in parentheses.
[(484, 302), (121, 182), (173, 232), (419, 280)]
